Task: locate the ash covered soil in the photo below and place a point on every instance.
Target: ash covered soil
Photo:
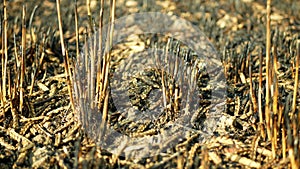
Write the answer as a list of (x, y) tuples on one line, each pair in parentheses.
[(45, 133)]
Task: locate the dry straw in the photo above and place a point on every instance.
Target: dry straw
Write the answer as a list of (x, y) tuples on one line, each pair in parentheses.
[(65, 53)]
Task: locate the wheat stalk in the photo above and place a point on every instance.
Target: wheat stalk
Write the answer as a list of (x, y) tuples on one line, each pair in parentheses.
[(268, 69), (64, 52)]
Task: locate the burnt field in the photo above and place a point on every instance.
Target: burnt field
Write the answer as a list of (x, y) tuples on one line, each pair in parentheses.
[(56, 90)]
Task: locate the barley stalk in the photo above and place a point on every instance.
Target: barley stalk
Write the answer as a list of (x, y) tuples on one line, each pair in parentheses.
[(23, 61), (98, 89), (64, 53), (261, 120), (268, 67), (275, 104), (106, 67), (4, 54), (252, 93), (296, 81)]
